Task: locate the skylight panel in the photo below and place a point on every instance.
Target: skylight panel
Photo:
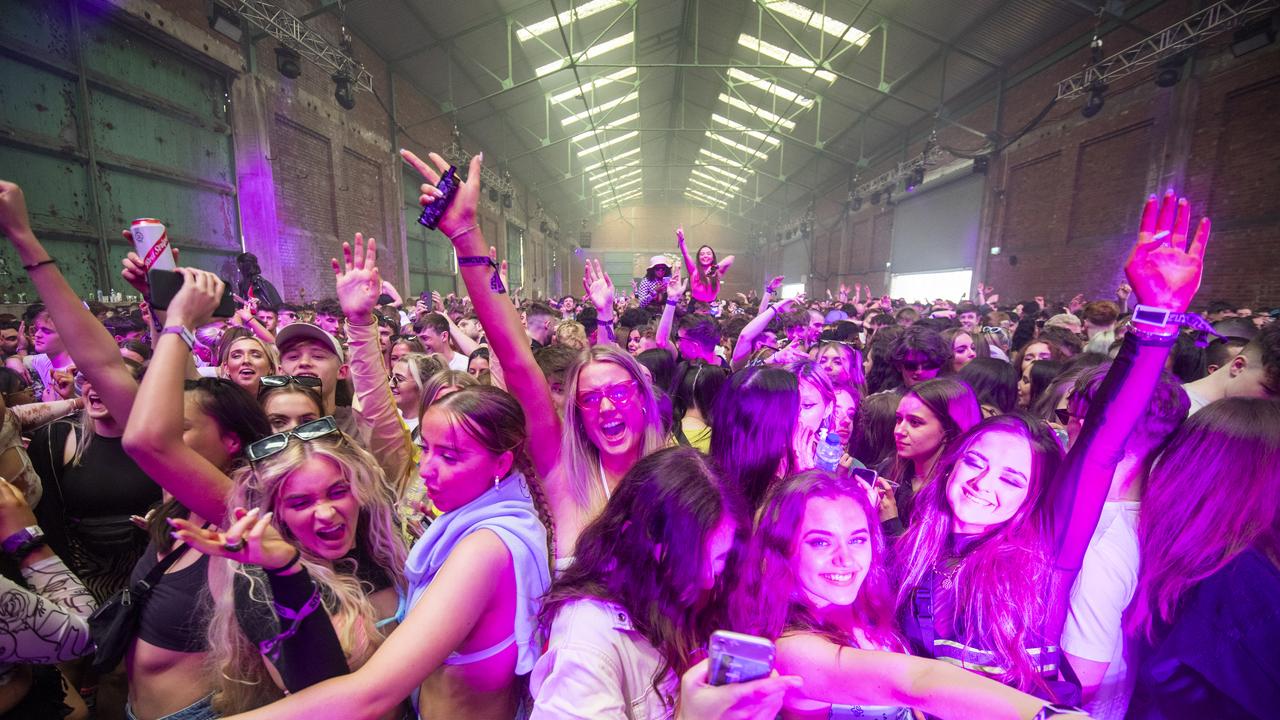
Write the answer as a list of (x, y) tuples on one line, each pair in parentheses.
[(612, 124), (771, 140), (786, 57), (598, 176), (614, 159), (770, 87), (608, 143), (601, 108), (818, 21), (596, 84), (737, 145), (589, 54), (566, 18), (759, 112)]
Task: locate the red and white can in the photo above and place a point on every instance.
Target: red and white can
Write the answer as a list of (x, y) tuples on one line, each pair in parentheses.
[(151, 242)]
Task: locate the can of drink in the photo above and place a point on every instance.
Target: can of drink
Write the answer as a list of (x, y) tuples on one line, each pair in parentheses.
[(151, 242)]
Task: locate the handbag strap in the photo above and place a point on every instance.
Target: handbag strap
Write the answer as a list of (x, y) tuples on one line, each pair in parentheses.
[(144, 585), (922, 608)]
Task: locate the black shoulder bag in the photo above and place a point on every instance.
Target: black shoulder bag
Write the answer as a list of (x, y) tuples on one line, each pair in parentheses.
[(115, 623)]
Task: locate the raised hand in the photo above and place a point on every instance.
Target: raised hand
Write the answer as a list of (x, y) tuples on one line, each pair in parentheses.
[(1039, 301), (195, 302), (437, 302), (676, 286), (680, 236), (14, 220), (772, 286), (753, 700), (1076, 303), (844, 293), (64, 382), (502, 271), (1165, 269), (599, 287), (357, 280), (1123, 291), (252, 539), (462, 211)]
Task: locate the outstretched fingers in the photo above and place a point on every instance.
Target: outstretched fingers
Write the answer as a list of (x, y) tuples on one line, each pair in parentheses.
[(422, 167), (1201, 239)]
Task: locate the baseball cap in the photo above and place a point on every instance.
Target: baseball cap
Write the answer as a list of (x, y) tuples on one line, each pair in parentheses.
[(297, 332)]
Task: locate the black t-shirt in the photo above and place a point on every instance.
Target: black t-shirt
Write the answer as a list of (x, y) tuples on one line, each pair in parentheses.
[(1220, 658)]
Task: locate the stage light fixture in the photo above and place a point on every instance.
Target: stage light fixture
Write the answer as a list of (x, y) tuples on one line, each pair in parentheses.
[(506, 200), (857, 203), (1170, 71), (288, 62), (915, 179), (225, 21), (1254, 36), (981, 164), (343, 92), (875, 198), (493, 195), (1093, 105)]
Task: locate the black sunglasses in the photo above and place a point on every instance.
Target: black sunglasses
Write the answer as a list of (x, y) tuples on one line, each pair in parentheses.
[(282, 380), (912, 366), (306, 432)]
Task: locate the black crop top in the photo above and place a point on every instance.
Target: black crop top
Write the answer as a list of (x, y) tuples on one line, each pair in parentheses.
[(175, 616)]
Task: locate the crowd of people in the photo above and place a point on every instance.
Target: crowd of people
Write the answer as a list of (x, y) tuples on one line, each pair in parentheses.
[(487, 507)]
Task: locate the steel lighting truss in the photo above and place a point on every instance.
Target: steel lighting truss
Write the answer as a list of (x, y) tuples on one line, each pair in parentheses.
[(1186, 33), (460, 158), (889, 179), (293, 33)]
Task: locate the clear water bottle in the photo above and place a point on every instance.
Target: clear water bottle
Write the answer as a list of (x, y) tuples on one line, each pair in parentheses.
[(829, 452)]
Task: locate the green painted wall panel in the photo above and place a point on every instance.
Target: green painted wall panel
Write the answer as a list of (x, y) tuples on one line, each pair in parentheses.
[(42, 26), (214, 262), (38, 104), (56, 188), (130, 58), (194, 217), (124, 129)]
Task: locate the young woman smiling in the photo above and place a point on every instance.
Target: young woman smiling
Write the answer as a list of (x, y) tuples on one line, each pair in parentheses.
[(611, 417), (482, 565), (814, 581), (1000, 531), (705, 272), (929, 416)]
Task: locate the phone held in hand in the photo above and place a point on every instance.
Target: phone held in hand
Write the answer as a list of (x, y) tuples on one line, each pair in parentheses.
[(869, 476), (434, 210), (736, 658), (166, 283)]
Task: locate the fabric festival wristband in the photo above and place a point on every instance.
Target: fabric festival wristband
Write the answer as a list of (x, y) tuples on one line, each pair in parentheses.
[(495, 282), (1154, 317)]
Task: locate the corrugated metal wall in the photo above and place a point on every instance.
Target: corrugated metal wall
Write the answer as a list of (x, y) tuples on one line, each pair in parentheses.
[(101, 124)]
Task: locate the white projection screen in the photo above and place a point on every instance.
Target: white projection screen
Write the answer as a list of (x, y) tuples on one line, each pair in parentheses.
[(935, 240)]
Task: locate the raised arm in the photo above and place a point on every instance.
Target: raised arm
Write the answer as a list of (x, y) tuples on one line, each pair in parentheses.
[(690, 267), (723, 266), (675, 289), (358, 284), (1165, 273), (847, 676), (153, 437), (33, 415), (599, 287), (752, 330), (461, 591), (91, 347), (466, 345), (498, 316)]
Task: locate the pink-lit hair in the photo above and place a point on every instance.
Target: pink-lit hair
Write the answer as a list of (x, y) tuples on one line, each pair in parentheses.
[(1003, 582), (1214, 493), (764, 602)]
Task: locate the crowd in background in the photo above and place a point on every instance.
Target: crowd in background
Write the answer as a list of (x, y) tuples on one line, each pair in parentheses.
[(491, 506)]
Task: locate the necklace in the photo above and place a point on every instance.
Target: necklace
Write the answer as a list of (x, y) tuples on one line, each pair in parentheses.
[(948, 574)]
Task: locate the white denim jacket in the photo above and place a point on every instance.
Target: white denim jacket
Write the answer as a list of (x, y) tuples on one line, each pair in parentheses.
[(597, 668)]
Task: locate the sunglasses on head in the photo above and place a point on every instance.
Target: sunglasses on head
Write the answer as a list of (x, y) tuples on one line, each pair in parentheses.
[(306, 432), (282, 380)]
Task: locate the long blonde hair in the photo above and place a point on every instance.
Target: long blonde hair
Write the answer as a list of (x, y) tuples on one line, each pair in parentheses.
[(579, 464), (243, 682)]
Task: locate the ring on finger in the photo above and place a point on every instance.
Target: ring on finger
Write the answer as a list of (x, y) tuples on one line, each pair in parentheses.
[(235, 546)]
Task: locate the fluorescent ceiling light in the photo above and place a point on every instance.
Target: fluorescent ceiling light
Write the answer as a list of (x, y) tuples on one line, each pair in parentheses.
[(617, 178), (706, 177), (759, 112), (585, 10), (736, 177), (704, 199), (599, 82), (598, 176), (626, 195), (618, 186), (737, 145), (602, 107), (786, 57), (590, 53), (607, 143), (711, 190), (818, 21), (614, 159), (722, 159), (773, 141), (770, 87), (612, 124)]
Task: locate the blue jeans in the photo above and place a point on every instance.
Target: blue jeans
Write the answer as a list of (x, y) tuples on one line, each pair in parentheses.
[(201, 709)]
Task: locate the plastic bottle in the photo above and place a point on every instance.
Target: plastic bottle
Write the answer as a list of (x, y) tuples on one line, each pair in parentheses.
[(829, 452)]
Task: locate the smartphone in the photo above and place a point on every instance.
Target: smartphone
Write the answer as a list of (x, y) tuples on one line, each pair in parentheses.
[(736, 658), (869, 476), (166, 283)]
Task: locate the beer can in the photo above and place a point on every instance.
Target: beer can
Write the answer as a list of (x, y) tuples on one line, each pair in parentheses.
[(151, 242)]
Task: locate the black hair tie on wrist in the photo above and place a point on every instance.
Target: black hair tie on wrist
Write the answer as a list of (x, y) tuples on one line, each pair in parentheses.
[(34, 265), (297, 555)]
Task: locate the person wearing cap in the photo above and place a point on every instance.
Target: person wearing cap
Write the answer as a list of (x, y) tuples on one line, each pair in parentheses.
[(655, 280), (306, 350)]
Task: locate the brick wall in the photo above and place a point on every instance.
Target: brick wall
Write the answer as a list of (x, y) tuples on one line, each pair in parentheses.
[(1062, 203)]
